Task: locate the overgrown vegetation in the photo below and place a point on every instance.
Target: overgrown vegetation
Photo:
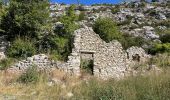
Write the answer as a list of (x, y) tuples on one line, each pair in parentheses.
[(30, 19), (21, 48), (25, 18), (30, 76), (107, 29), (129, 41), (60, 44), (6, 63), (160, 48)]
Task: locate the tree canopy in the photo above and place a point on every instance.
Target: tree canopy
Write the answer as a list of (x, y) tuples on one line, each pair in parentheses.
[(25, 18)]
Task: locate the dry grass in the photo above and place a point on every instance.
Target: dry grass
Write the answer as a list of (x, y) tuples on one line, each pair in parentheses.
[(39, 91), (149, 87)]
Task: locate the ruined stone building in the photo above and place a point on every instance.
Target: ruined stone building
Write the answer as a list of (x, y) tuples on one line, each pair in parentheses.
[(109, 59)]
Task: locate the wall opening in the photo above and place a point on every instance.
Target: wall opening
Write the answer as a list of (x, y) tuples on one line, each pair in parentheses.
[(87, 63)]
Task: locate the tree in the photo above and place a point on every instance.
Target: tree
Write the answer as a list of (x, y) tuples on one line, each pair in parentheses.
[(107, 29), (60, 44), (25, 18)]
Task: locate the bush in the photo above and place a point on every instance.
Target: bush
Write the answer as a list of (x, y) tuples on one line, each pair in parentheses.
[(59, 47), (165, 38), (107, 29), (25, 18), (31, 75), (60, 44), (5, 63), (21, 48), (161, 60), (160, 48), (128, 41)]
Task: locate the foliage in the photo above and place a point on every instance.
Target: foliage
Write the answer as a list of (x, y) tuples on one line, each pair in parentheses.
[(21, 48), (165, 38), (25, 18), (5, 63), (81, 16), (31, 75), (59, 47), (128, 41), (160, 48), (69, 21), (59, 44), (161, 60), (2, 12), (107, 29)]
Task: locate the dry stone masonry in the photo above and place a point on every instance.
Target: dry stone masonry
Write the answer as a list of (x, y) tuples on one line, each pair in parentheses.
[(41, 61), (109, 59)]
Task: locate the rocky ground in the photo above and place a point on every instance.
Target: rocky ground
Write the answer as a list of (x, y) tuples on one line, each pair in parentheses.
[(138, 19)]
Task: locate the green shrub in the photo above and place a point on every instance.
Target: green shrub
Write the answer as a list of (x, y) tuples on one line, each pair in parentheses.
[(128, 41), (25, 18), (160, 48), (161, 60), (107, 29), (31, 75), (21, 48), (60, 44), (165, 38), (59, 47), (5, 63)]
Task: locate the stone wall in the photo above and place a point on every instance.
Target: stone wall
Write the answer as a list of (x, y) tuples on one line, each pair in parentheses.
[(109, 59), (41, 61)]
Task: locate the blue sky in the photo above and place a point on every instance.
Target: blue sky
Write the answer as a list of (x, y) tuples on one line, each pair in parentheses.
[(87, 2)]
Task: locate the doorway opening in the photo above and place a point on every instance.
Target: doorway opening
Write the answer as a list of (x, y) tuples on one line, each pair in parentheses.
[(87, 62)]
